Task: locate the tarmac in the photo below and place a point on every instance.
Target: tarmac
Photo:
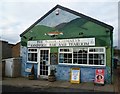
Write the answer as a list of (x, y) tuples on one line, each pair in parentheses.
[(86, 86)]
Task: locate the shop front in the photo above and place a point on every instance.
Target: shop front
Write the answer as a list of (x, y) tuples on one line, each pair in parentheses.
[(76, 41)]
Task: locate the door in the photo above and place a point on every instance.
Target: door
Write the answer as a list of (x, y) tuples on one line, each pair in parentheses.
[(44, 62), (9, 67)]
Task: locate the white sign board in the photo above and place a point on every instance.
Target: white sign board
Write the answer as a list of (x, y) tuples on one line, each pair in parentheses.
[(62, 42), (75, 75)]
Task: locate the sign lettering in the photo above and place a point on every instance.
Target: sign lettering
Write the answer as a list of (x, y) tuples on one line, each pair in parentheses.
[(62, 42)]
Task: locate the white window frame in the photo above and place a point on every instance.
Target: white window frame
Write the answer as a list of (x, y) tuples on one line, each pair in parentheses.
[(104, 52), (66, 52), (32, 52)]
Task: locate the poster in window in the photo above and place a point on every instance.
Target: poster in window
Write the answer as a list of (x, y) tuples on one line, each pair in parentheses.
[(75, 75), (99, 76), (53, 59)]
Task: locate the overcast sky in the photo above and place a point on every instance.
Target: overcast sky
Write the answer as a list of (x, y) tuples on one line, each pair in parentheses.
[(17, 15)]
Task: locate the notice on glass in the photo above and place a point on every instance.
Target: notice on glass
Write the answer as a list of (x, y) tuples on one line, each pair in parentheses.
[(75, 75), (99, 76)]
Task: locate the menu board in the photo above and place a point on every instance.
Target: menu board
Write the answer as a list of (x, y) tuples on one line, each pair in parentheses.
[(99, 76), (75, 75)]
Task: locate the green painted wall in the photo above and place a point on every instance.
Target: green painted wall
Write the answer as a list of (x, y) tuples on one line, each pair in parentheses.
[(54, 50), (74, 29), (108, 56)]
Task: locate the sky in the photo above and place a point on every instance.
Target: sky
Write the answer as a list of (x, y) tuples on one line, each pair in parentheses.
[(17, 15)]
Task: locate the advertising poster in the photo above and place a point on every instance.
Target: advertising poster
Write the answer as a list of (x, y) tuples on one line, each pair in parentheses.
[(75, 75), (99, 76)]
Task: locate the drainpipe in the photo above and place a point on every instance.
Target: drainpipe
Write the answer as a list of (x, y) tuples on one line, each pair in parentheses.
[(111, 38)]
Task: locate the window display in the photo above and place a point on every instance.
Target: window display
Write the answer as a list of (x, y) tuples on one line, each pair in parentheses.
[(82, 56)]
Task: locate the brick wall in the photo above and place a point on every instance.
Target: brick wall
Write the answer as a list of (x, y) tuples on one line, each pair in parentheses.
[(16, 50), (9, 50), (6, 49)]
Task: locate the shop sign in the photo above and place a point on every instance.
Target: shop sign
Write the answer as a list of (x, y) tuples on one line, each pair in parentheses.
[(99, 76), (62, 42), (75, 75)]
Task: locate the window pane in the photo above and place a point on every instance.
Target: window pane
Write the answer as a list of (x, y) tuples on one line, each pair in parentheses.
[(91, 62), (80, 55), (96, 62), (80, 61), (70, 56), (75, 61), (101, 62), (32, 57), (85, 61)]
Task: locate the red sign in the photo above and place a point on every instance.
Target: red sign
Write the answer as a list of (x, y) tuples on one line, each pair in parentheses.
[(99, 76)]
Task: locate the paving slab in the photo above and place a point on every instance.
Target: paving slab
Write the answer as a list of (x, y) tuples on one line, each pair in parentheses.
[(64, 84), (105, 88)]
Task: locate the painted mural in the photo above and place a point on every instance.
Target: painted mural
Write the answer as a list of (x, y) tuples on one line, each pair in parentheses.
[(60, 24)]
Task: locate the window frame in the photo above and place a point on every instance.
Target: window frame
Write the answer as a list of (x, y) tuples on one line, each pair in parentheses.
[(32, 52), (88, 52)]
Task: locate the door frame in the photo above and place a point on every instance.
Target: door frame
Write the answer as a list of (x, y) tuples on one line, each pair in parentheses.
[(38, 74)]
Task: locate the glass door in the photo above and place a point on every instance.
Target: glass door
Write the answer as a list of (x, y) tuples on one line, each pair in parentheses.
[(44, 61)]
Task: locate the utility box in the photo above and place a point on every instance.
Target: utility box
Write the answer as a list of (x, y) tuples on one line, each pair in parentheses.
[(13, 67)]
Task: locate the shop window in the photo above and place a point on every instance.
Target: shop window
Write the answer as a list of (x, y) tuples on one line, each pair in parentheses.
[(65, 55), (82, 56), (79, 56), (96, 56), (32, 55)]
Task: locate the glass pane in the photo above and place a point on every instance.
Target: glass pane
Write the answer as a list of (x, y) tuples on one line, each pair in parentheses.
[(80, 56), (96, 56), (74, 55), (96, 62), (61, 50), (101, 56), (65, 55), (90, 55), (29, 56), (69, 55), (90, 61), (69, 60), (84, 55), (101, 62), (85, 61), (91, 50), (75, 61), (46, 73), (43, 72), (46, 67), (32, 57), (79, 61)]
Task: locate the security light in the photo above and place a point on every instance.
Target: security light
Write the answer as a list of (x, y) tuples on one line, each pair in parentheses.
[(57, 12)]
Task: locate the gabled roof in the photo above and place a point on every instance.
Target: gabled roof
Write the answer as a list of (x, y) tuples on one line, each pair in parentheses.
[(73, 12)]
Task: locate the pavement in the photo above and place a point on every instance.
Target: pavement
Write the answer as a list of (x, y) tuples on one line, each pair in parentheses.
[(86, 86)]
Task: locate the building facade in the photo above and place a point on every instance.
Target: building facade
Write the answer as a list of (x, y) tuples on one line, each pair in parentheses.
[(63, 39)]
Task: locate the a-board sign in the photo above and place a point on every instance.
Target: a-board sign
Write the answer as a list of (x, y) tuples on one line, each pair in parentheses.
[(99, 76), (75, 75)]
